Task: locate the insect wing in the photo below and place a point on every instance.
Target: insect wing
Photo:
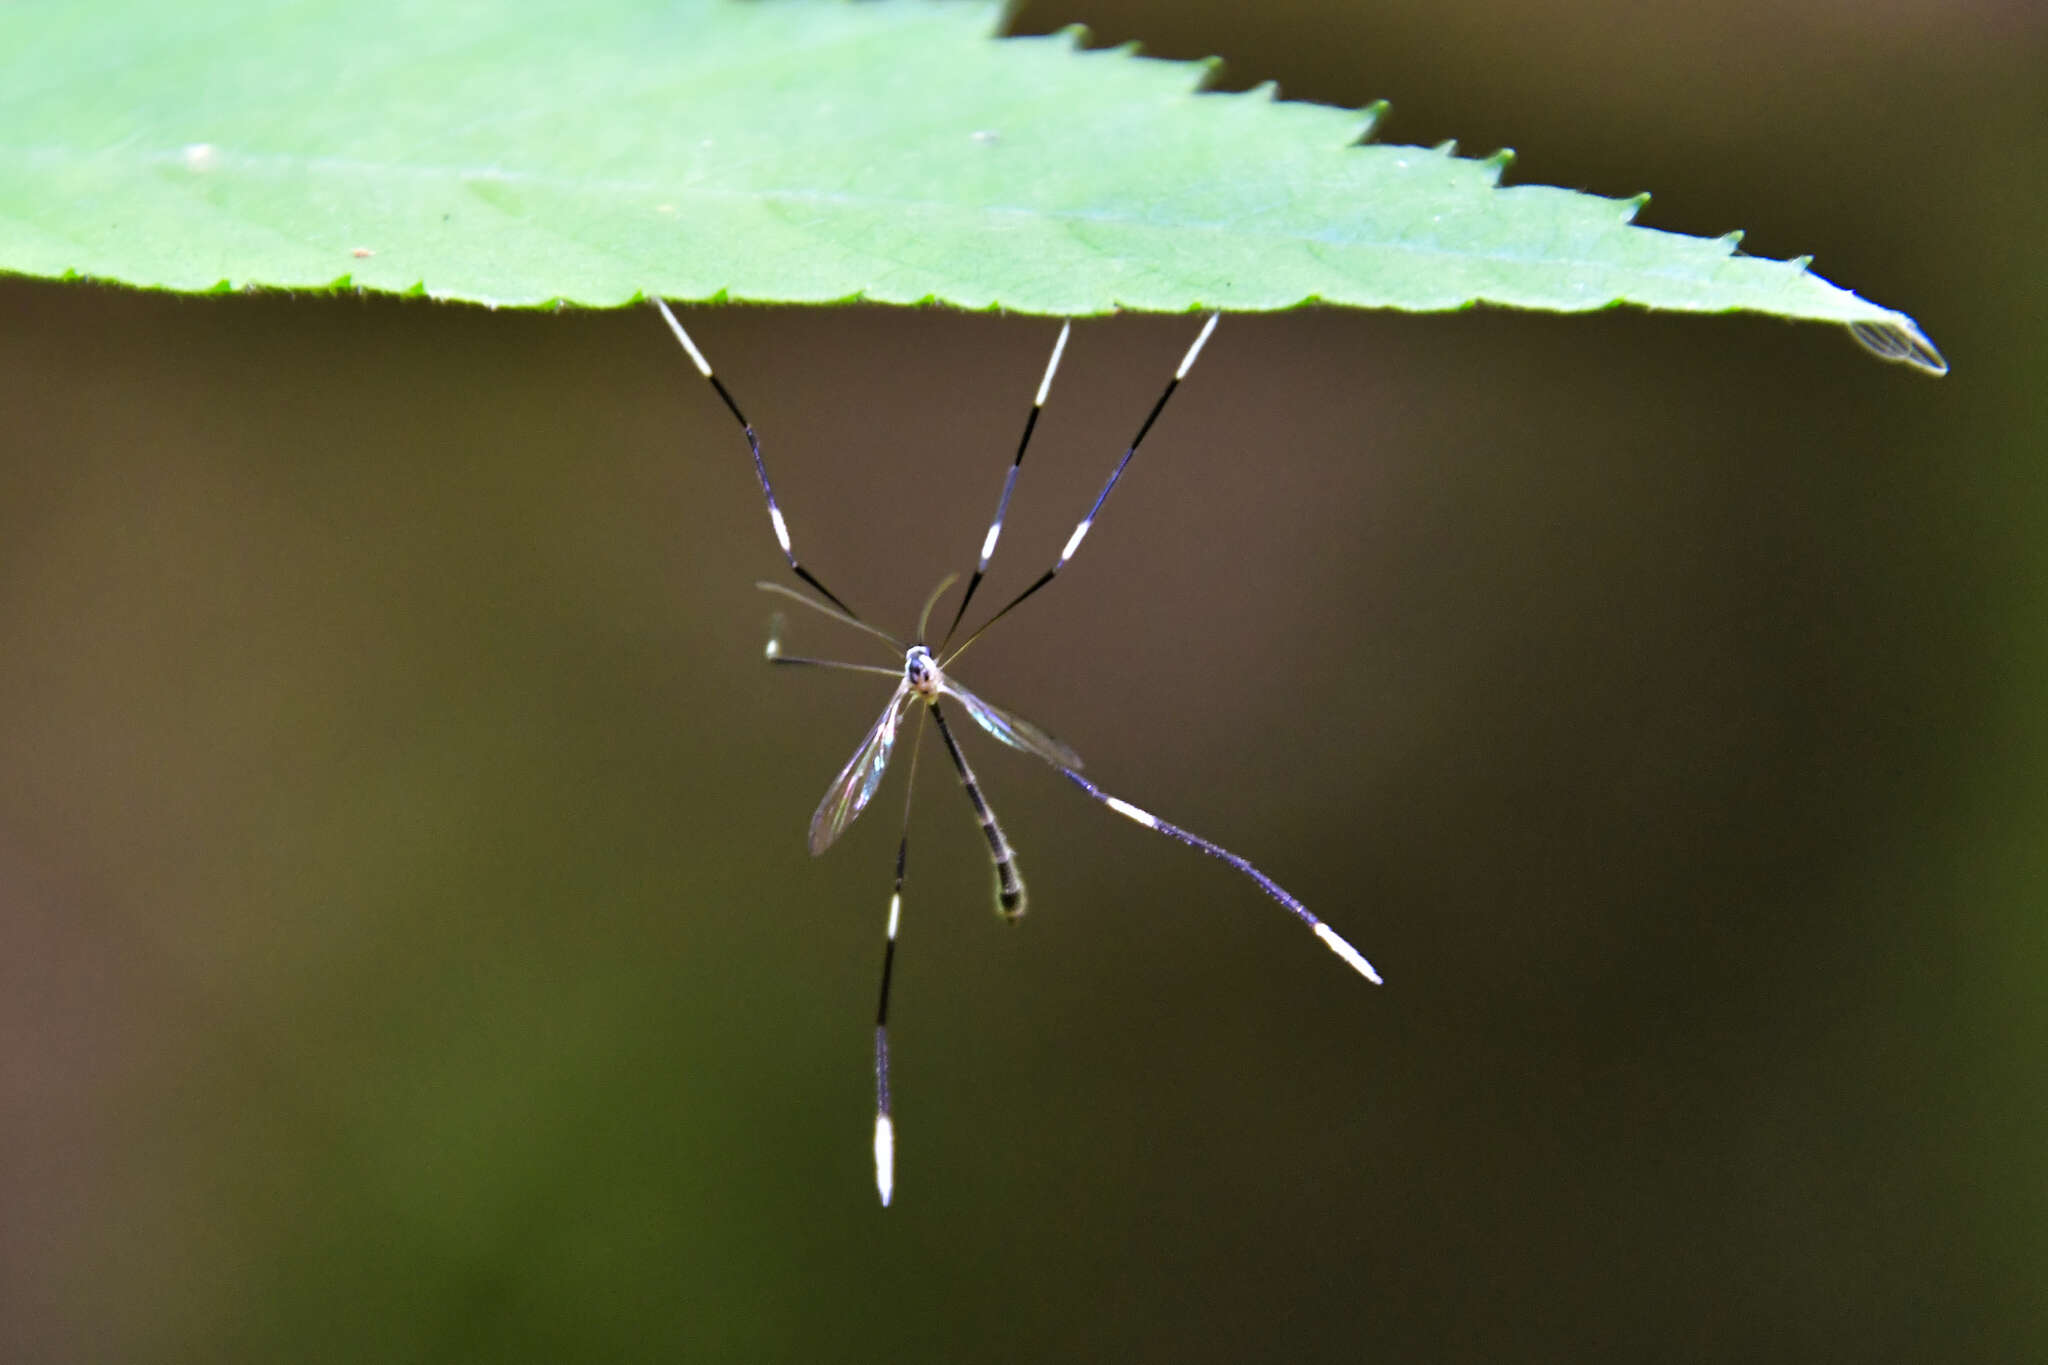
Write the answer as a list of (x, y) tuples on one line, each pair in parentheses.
[(1014, 731), (855, 786)]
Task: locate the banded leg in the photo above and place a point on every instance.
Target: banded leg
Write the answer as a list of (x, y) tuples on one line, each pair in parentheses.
[(1009, 885), (995, 527), (1081, 530), (760, 467), (885, 1122), (1332, 940)]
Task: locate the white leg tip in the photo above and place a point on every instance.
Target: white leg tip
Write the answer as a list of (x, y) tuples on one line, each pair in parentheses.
[(696, 356), (1336, 944), (1188, 362), (885, 1158), (1058, 347)]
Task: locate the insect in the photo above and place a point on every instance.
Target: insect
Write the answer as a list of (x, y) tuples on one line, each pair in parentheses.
[(924, 681)]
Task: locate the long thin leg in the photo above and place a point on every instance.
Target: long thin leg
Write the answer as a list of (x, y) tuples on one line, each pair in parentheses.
[(1332, 940), (995, 527), (1081, 530), (885, 1123), (1009, 885), (760, 468)]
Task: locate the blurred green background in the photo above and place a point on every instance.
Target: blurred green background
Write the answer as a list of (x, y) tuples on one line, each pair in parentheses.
[(408, 950)]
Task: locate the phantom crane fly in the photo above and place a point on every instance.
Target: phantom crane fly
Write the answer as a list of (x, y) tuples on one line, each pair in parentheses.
[(922, 677)]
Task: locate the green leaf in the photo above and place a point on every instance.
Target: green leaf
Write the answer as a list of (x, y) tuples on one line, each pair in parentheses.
[(791, 151)]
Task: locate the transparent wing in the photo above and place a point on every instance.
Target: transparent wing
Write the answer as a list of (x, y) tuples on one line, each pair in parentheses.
[(857, 781), (1014, 731)]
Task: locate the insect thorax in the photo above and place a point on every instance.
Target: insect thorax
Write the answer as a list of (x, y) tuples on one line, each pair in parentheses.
[(921, 671)]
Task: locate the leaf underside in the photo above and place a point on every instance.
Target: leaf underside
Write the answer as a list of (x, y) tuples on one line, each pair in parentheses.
[(791, 151)]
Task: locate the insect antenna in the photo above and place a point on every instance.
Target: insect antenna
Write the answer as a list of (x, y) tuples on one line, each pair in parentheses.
[(784, 590), (775, 655), (924, 618)]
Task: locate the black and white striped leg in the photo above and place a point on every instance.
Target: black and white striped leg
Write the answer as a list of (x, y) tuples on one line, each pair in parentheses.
[(995, 527), (1009, 884), (885, 1122), (775, 518), (1081, 530), (1332, 940)]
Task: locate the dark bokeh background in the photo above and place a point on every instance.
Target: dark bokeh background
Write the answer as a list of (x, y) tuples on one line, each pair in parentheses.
[(408, 950)]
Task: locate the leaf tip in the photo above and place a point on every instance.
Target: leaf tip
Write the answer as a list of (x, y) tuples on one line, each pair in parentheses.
[(1732, 240), (1498, 162), (1633, 205), (1902, 342), (1448, 147)]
